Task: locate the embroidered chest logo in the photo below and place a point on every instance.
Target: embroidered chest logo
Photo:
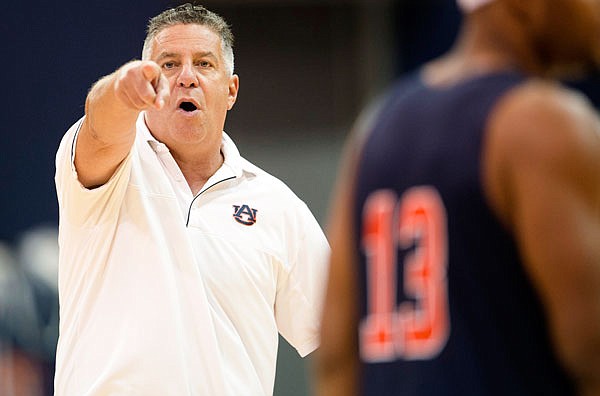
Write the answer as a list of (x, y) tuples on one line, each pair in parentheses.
[(244, 214)]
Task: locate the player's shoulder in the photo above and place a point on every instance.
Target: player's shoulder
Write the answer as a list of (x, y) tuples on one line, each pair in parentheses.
[(545, 98), (539, 129), (544, 118)]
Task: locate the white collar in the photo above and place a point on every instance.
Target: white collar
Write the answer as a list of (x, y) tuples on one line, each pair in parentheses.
[(233, 159)]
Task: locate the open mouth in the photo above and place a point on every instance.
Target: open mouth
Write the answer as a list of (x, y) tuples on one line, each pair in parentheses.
[(187, 106)]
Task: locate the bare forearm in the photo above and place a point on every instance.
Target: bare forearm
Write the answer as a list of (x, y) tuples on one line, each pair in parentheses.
[(112, 107), (337, 378), (109, 120), (106, 135)]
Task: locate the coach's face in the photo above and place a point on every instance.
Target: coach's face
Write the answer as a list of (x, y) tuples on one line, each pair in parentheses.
[(202, 89)]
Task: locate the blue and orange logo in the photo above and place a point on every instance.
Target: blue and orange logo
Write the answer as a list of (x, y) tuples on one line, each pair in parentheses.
[(244, 214)]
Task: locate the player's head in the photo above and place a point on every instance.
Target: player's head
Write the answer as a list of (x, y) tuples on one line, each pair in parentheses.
[(560, 36), (191, 14)]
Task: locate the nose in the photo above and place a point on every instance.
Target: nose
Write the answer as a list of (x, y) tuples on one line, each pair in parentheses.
[(187, 77)]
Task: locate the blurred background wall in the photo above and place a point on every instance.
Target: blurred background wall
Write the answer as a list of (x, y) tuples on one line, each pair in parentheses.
[(306, 67)]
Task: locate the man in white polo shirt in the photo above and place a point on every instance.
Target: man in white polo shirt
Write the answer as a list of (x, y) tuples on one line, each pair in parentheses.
[(180, 261)]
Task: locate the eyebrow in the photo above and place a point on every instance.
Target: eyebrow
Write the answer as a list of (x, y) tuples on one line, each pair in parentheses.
[(204, 54), (164, 55)]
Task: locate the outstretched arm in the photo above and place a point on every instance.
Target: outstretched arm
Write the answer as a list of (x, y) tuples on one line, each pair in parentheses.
[(112, 107)]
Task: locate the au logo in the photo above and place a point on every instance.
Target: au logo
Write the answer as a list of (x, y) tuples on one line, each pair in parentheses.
[(245, 215)]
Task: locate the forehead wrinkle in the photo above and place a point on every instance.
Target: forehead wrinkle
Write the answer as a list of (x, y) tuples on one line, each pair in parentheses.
[(167, 52), (188, 33), (195, 55), (164, 55), (175, 41)]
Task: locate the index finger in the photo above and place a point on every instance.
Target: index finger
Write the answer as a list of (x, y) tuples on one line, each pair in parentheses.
[(151, 72), (162, 91)]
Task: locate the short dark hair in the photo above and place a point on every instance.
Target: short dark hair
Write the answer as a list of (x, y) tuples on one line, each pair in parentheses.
[(191, 14)]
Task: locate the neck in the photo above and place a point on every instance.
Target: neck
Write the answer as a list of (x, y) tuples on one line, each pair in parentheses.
[(505, 31), (198, 169), (484, 46), (198, 157)]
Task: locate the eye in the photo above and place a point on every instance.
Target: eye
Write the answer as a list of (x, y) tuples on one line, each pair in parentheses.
[(168, 65), (204, 64)]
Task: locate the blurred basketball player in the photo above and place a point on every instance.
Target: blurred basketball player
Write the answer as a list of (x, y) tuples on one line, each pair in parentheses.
[(466, 229)]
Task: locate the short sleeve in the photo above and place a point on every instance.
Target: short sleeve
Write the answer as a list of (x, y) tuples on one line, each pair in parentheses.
[(300, 296), (81, 206)]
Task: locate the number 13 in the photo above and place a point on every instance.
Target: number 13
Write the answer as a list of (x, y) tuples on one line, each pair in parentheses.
[(417, 329)]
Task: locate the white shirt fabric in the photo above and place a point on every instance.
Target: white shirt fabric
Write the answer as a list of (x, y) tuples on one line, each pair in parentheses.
[(163, 293)]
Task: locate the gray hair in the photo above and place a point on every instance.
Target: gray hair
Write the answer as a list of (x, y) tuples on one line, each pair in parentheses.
[(191, 14)]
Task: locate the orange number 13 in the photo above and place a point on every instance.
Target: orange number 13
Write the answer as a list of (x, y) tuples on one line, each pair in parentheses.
[(416, 329)]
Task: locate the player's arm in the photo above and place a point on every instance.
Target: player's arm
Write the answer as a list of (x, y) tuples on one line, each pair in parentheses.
[(543, 174), (336, 368), (112, 107)]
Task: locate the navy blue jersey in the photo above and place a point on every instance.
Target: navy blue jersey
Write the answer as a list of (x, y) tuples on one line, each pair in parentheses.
[(447, 307)]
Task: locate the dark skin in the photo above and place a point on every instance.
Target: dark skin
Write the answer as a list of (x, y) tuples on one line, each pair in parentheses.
[(541, 175)]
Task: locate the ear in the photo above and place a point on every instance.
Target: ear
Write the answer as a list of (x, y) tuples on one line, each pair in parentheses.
[(234, 85)]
